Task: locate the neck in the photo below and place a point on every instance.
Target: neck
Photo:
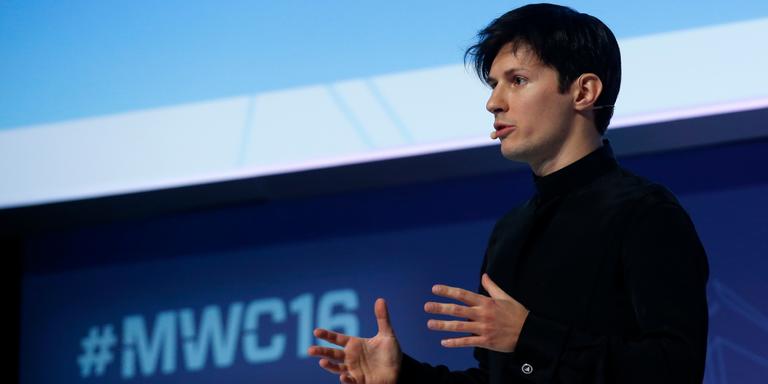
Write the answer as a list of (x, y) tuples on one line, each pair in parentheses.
[(569, 152)]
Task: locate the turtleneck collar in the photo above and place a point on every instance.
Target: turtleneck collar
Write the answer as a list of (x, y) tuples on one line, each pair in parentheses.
[(577, 174)]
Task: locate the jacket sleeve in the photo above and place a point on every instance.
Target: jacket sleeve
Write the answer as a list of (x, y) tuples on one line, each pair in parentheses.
[(412, 371), (665, 271)]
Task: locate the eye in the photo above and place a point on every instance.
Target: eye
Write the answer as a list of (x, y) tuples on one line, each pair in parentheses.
[(519, 80)]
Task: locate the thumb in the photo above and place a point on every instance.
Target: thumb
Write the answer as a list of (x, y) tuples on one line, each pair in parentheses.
[(382, 318), (492, 288)]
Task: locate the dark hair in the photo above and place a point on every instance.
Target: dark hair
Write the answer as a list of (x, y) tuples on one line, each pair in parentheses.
[(572, 43)]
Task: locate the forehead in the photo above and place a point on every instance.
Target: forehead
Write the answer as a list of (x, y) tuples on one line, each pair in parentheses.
[(513, 55)]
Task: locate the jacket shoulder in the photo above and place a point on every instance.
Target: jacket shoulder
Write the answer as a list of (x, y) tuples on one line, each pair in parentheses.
[(639, 191)]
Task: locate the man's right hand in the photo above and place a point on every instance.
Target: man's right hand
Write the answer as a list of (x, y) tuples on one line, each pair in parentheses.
[(362, 361)]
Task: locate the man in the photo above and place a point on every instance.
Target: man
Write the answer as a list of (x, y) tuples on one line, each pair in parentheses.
[(600, 277)]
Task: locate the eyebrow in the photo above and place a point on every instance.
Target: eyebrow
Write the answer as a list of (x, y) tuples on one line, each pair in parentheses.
[(506, 73)]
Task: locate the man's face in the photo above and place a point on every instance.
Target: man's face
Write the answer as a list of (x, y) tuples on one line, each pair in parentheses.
[(532, 118)]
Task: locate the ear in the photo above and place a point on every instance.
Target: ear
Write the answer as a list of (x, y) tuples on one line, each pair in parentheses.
[(585, 90)]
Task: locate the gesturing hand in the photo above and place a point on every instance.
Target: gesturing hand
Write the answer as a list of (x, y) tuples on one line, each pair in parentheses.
[(494, 322), (371, 361)]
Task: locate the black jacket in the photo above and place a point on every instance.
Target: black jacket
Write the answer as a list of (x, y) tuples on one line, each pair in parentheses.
[(614, 274)]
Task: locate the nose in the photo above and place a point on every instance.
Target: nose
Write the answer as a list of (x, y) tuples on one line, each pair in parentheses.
[(495, 102)]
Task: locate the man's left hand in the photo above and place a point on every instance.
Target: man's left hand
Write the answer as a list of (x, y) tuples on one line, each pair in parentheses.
[(495, 322)]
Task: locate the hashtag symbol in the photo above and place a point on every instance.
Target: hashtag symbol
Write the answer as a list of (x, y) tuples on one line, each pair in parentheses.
[(97, 351)]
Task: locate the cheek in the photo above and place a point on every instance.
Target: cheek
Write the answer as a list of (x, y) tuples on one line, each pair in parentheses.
[(533, 114), (548, 112)]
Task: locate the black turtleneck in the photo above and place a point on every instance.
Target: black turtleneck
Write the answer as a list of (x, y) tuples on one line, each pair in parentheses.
[(614, 275), (576, 175)]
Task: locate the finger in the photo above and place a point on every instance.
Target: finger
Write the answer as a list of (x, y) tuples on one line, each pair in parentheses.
[(454, 326), (448, 309), (459, 294), (492, 288), (382, 317), (346, 378), (469, 341), (328, 353), (330, 366), (332, 337)]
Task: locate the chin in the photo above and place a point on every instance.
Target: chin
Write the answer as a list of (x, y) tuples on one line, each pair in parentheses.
[(513, 153)]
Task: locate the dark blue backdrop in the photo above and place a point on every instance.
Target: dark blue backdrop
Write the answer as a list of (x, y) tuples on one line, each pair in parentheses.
[(229, 295)]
